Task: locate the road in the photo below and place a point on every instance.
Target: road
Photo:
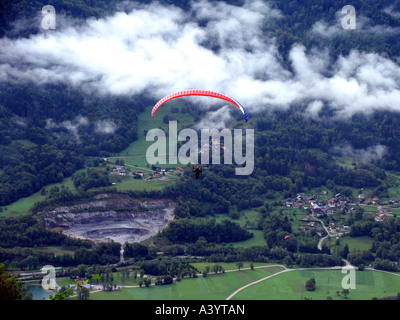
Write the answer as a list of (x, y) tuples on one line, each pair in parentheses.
[(285, 269), (328, 234)]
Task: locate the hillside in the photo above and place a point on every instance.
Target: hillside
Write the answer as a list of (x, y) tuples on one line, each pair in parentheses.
[(76, 128)]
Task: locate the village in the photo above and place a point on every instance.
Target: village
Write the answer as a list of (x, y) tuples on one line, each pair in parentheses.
[(155, 173), (160, 173), (316, 206), (318, 209)]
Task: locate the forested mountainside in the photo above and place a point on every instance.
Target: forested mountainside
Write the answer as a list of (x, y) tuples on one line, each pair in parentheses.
[(64, 123), (323, 103)]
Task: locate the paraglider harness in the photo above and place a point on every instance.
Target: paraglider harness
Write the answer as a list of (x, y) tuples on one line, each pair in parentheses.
[(197, 171)]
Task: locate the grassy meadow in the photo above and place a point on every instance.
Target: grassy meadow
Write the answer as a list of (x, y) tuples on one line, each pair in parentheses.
[(328, 283), (135, 153), (284, 286), (361, 243), (22, 206), (212, 287)]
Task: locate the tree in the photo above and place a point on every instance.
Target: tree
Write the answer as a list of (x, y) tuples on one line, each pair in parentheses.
[(345, 292), (239, 265), (64, 292), (135, 250), (10, 287), (234, 212), (310, 285), (345, 251), (147, 282), (83, 293), (26, 294), (217, 268), (164, 279), (359, 213)]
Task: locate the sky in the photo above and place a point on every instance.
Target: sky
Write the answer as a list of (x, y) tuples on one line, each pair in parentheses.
[(156, 50)]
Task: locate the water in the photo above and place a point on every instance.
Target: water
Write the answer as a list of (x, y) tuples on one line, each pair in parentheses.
[(38, 293)]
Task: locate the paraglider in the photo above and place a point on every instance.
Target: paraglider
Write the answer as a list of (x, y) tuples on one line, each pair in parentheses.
[(196, 92), (197, 171), (287, 237)]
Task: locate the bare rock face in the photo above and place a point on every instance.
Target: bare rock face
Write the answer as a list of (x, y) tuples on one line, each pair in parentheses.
[(111, 217)]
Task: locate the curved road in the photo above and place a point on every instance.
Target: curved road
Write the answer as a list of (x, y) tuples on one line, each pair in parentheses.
[(328, 234), (285, 269), (288, 270)]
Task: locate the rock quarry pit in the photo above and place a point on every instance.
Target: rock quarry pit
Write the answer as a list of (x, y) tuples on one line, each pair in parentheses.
[(111, 217)]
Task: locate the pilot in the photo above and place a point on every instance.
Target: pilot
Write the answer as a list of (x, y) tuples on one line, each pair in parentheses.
[(197, 171)]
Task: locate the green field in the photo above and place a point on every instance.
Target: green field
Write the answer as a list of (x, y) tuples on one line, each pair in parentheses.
[(248, 219), (393, 182), (213, 287), (290, 286), (361, 243), (228, 265), (135, 153), (256, 240), (58, 251), (22, 206), (125, 183), (285, 286), (346, 162)]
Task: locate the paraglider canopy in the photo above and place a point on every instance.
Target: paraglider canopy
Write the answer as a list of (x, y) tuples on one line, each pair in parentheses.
[(196, 92), (287, 237)]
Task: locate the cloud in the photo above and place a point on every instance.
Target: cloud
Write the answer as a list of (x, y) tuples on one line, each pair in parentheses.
[(105, 126), (363, 26), (72, 126), (217, 119), (314, 108), (391, 10), (323, 29), (21, 121), (371, 153), (155, 50)]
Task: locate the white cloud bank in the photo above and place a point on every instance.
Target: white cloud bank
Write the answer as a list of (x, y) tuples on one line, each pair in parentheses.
[(157, 50), (72, 126), (368, 154)]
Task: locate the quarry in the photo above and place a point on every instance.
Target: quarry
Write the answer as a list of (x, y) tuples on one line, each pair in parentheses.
[(110, 217)]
